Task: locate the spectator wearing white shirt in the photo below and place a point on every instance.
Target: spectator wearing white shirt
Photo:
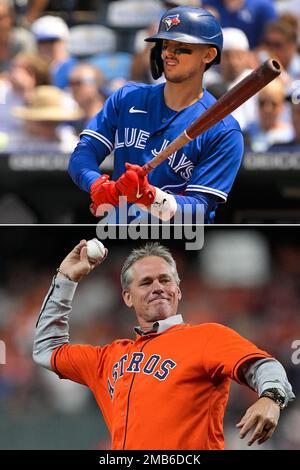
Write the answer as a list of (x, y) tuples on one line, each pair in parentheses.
[(52, 36), (281, 42), (27, 71), (235, 65), (271, 128), (86, 84)]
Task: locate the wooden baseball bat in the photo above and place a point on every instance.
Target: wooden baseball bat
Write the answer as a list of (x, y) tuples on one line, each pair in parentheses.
[(230, 101)]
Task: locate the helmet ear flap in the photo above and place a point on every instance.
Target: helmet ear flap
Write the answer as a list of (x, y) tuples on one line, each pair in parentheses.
[(156, 62)]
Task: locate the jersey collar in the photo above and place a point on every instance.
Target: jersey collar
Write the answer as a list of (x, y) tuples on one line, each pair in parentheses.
[(161, 325)]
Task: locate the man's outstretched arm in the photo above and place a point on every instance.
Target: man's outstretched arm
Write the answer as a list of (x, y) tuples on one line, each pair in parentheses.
[(263, 415), (52, 329)]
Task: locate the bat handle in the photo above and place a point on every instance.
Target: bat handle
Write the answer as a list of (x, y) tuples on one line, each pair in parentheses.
[(145, 170)]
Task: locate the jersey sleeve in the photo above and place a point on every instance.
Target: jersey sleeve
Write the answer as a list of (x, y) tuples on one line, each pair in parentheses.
[(79, 363), (198, 208), (226, 351), (96, 143), (219, 163), (102, 128)]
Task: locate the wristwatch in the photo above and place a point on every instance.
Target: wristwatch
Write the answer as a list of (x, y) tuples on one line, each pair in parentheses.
[(276, 395)]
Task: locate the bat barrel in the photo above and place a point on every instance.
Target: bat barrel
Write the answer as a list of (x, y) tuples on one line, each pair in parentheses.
[(235, 97), (275, 65)]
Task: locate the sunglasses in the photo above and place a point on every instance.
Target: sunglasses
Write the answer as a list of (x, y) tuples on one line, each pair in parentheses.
[(263, 103), (275, 44), (82, 81), (179, 50)]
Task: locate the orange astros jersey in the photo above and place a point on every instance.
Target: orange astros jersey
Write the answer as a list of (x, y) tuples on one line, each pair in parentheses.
[(164, 390)]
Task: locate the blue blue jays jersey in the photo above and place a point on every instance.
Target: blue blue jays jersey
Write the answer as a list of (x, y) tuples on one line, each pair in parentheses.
[(136, 123)]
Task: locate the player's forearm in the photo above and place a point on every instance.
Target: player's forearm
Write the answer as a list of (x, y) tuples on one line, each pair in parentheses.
[(84, 165), (52, 329), (268, 373)]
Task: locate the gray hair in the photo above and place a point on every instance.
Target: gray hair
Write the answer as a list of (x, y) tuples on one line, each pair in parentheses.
[(150, 249)]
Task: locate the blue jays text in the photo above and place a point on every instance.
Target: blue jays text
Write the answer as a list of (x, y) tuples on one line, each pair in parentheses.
[(136, 124)]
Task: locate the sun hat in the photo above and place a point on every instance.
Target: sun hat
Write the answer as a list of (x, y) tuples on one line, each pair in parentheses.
[(47, 103)]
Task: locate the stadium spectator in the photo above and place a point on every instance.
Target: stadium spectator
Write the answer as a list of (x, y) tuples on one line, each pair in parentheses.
[(52, 34), (271, 128), (12, 39), (27, 71), (87, 87), (296, 121), (45, 116), (235, 65), (281, 41), (251, 16), (288, 6), (181, 3), (292, 145)]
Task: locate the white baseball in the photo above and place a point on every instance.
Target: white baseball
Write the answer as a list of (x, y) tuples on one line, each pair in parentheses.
[(95, 249)]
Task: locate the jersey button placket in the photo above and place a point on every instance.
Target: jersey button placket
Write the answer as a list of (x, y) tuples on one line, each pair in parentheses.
[(123, 402), (120, 411)]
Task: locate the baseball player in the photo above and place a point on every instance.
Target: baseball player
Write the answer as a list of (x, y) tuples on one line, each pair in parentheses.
[(168, 387), (138, 121)]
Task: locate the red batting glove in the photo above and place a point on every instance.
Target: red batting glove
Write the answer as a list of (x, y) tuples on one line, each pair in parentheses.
[(135, 187), (103, 192)]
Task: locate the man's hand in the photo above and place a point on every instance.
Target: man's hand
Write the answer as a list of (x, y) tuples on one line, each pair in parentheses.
[(135, 187), (103, 192), (77, 265), (263, 415)]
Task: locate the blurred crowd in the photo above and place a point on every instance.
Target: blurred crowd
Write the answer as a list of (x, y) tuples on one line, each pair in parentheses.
[(245, 279), (60, 61)]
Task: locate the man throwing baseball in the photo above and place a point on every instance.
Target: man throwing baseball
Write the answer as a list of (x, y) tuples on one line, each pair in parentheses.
[(139, 121), (167, 388)]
